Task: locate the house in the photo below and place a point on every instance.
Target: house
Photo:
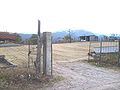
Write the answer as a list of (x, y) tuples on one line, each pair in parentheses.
[(89, 38), (7, 36)]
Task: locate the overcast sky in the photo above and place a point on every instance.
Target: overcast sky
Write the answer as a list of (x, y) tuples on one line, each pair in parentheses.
[(99, 16)]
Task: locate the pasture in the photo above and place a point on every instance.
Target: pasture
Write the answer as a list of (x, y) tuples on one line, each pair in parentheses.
[(61, 52)]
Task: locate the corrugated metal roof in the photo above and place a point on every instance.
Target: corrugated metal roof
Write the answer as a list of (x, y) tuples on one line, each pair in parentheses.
[(7, 35)]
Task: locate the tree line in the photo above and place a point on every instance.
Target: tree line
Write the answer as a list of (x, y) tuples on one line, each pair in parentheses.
[(69, 38)]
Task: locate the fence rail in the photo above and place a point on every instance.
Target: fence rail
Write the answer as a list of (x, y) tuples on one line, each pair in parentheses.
[(105, 52)]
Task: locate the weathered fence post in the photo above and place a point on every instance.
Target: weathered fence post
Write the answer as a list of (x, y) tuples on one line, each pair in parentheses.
[(47, 61), (38, 58), (89, 50), (29, 54), (119, 53), (100, 51)]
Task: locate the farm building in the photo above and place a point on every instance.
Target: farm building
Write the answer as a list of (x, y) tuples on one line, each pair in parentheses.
[(7, 36), (89, 38)]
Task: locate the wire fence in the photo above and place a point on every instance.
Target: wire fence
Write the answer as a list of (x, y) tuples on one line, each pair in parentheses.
[(104, 51), (20, 56), (28, 56)]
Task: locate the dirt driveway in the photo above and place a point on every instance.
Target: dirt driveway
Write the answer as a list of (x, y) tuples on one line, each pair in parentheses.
[(79, 75), (82, 76), (68, 62)]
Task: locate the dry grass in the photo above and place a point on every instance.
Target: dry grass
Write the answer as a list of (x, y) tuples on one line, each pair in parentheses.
[(61, 52), (70, 51), (16, 55), (20, 77)]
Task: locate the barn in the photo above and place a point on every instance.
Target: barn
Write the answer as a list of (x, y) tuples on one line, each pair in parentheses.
[(89, 38), (7, 36)]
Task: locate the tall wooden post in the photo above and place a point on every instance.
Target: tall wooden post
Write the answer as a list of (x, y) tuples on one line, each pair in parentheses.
[(119, 45), (47, 60), (29, 54), (38, 58), (119, 53), (89, 50), (100, 50)]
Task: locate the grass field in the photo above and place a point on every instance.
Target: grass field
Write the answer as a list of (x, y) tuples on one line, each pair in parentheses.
[(64, 52), (70, 51), (61, 52)]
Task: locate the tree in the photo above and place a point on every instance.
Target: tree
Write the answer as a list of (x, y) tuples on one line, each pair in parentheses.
[(33, 39), (18, 38), (68, 38), (34, 36)]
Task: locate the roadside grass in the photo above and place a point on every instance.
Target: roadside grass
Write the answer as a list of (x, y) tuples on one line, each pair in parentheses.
[(108, 65), (22, 79)]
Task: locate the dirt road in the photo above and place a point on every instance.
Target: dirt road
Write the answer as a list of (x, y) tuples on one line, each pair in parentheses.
[(82, 76), (68, 62)]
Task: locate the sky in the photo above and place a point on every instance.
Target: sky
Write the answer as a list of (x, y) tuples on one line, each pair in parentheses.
[(97, 16)]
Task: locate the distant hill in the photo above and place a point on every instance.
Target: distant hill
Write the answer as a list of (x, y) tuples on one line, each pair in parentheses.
[(59, 35), (74, 33), (77, 33), (25, 36)]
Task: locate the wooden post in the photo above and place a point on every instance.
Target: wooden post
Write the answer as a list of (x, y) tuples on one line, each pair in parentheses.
[(119, 53), (89, 50), (29, 54), (100, 50), (38, 58), (119, 45), (47, 61)]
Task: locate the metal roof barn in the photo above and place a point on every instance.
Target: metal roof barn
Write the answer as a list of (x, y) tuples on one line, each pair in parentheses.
[(7, 36)]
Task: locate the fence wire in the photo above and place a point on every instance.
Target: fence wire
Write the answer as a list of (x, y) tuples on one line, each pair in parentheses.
[(104, 51), (20, 55)]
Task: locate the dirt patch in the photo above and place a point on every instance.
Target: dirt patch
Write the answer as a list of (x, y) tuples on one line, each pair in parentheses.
[(82, 76)]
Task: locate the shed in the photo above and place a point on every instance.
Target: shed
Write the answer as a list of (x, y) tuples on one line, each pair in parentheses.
[(7, 36), (89, 38)]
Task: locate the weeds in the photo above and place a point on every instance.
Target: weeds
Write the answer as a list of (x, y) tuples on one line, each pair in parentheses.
[(21, 78)]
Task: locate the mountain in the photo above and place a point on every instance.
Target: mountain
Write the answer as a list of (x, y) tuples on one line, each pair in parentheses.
[(25, 36), (77, 33), (59, 35), (74, 33)]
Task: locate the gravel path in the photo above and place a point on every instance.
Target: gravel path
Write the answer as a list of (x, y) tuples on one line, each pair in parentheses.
[(82, 76)]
